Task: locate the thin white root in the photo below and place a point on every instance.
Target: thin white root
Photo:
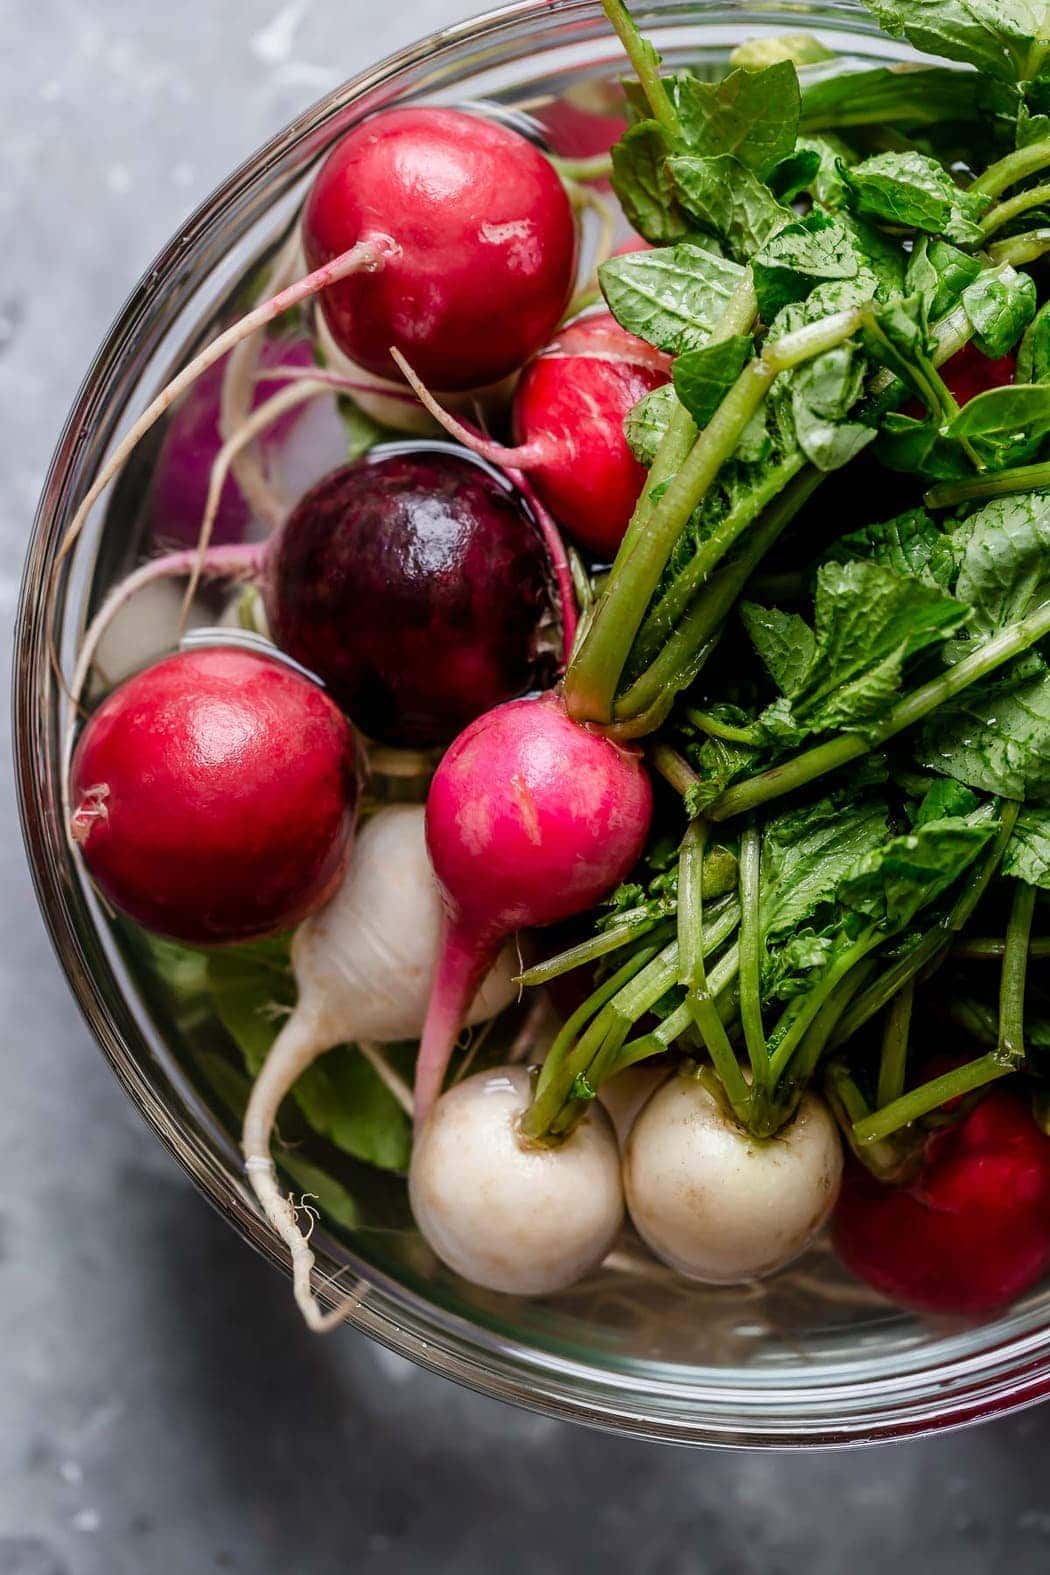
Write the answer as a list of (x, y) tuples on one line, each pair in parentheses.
[(238, 387), (367, 256), (258, 421), (297, 1046), (386, 1074)]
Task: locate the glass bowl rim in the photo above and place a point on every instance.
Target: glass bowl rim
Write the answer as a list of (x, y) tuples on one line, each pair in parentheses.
[(906, 1395)]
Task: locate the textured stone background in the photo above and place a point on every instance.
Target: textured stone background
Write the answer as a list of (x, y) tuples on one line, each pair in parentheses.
[(161, 1410)]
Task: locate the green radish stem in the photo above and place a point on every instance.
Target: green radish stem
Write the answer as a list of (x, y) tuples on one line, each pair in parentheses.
[(929, 1096), (750, 956), (1015, 969), (990, 948), (646, 63), (714, 727), (931, 947), (836, 752), (692, 973), (1023, 478), (1014, 167), (893, 1059), (1003, 212), (1021, 249)]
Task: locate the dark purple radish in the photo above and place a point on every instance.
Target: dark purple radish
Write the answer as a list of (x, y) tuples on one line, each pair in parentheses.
[(414, 584), (473, 229)]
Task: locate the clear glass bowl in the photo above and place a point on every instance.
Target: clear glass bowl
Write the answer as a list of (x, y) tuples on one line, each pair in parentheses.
[(807, 1359)]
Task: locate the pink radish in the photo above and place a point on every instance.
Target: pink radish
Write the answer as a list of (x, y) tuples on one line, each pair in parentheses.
[(413, 583), (214, 796), (568, 413), (486, 244), (463, 228), (530, 819)]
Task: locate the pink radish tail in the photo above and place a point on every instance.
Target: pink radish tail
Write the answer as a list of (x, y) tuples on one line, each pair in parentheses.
[(523, 457), (464, 961), (552, 539)]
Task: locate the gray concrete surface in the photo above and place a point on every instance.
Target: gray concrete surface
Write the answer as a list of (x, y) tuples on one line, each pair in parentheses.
[(161, 1410)]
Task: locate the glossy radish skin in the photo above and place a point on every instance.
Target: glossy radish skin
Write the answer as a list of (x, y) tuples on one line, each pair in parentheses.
[(506, 1214), (486, 245), (530, 819), (972, 1232), (715, 1203), (214, 796), (570, 407), (415, 585)]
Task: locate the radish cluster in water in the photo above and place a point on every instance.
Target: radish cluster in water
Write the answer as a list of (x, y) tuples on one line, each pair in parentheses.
[(428, 733)]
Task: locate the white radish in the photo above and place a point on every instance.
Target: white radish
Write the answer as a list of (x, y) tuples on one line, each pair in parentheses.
[(717, 1204), (507, 1214), (363, 966)]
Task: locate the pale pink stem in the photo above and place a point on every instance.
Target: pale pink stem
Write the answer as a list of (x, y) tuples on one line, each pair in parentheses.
[(514, 462), (463, 963), (334, 380), (522, 457), (367, 256)]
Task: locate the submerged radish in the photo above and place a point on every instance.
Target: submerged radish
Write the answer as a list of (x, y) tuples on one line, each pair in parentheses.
[(213, 796), (485, 244), (972, 1231), (717, 1204), (414, 583), (568, 414), (507, 1214), (530, 819), (362, 968)]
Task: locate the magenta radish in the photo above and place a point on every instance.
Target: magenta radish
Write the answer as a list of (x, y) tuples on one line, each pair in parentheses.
[(530, 819), (213, 796), (362, 967), (507, 1214), (413, 583), (180, 479), (470, 224), (568, 414), (486, 244)]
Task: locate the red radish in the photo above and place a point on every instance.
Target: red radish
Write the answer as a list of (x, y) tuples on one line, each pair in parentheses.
[(634, 243), (486, 244), (214, 796), (969, 373), (569, 411), (577, 131), (413, 583), (464, 228), (530, 819), (972, 1231)]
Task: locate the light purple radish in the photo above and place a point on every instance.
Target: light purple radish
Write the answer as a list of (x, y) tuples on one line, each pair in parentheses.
[(530, 819)]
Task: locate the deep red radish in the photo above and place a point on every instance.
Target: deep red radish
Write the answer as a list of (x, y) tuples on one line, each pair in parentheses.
[(969, 373), (213, 796), (413, 583), (579, 130), (486, 244), (972, 1231), (530, 819), (634, 243), (568, 415), (416, 586), (181, 476)]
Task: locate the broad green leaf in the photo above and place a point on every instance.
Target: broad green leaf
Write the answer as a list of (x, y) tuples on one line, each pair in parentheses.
[(647, 421), (1003, 552), (1027, 855), (673, 297), (702, 378), (783, 640), (902, 96), (1033, 354), (821, 394), (646, 188), (802, 49), (913, 192), (806, 852), (939, 273), (1019, 411), (799, 257), (751, 114), (728, 200), (994, 739), (1000, 309), (912, 545), (890, 886), (999, 37)]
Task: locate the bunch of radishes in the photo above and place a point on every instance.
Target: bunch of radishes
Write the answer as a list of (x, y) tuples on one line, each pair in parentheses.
[(418, 599)]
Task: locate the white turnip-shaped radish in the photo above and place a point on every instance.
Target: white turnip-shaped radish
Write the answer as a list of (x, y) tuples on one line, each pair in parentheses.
[(511, 1215), (717, 1204), (363, 966)]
